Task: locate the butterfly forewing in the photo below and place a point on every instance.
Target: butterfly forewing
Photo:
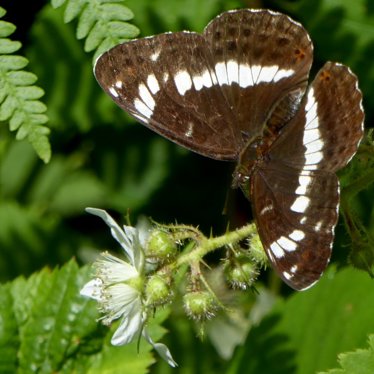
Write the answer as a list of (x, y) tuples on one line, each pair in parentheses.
[(168, 83), (202, 91), (295, 192), (261, 57)]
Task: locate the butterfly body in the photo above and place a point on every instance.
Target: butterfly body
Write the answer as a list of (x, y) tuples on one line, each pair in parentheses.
[(239, 92)]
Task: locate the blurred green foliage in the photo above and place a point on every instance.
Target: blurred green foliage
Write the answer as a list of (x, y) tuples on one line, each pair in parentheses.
[(102, 158)]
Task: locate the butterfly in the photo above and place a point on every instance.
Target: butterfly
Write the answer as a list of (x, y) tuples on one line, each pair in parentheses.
[(239, 92)]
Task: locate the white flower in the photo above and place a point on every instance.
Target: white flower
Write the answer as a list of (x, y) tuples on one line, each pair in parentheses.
[(118, 286)]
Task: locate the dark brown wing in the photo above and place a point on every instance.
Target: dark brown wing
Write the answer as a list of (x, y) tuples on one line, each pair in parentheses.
[(326, 131), (167, 82), (261, 59), (295, 192), (211, 92), (296, 213)]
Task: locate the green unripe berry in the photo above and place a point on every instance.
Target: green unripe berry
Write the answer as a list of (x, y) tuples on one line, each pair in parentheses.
[(157, 290), (241, 273), (161, 246), (199, 305)]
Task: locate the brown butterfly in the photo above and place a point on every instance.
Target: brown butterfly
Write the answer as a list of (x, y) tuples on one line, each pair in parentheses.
[(239, 92)]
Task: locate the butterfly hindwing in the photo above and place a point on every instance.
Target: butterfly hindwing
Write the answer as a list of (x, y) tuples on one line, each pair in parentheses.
[(296, 228), (295, 192)]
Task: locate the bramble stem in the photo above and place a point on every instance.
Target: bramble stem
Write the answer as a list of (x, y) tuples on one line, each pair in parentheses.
[(208, 245)]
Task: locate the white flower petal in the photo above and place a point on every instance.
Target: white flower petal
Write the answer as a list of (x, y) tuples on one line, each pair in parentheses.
[(120, 298), (93, 289), (133, 235), (117, 232), (161, 349), (115, 270), (128, 239), (144, 227), (131, 325)]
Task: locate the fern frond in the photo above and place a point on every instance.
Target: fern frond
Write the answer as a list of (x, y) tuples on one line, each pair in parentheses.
[(101, 22), (19, 104)]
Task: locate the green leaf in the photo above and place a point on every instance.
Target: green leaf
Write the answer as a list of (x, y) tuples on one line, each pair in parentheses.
[(7, 107), (306, 332), (19, 98), (57, 3), (360, 361), (117, 12), (94, 38), (112, 30), (104, 46), (34, 107), (122, 30), (100, 20), (6, 28), (40, 141), (53, 318), (86, 22), (16, 120), (47, 326), (9, 340), (12, 62), (8, 46), (71, 90), (68, 80), (21, 78), (29, 93), (108, 12), (73, 9)]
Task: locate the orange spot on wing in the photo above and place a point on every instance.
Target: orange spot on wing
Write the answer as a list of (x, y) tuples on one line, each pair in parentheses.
[(325, 75), (299, 54)]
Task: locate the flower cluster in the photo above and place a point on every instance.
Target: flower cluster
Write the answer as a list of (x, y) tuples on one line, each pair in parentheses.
[(129, 290), (118, 286)]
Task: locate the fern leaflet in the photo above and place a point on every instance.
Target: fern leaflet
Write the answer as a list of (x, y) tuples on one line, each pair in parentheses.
[(101, 22), (19, 104)]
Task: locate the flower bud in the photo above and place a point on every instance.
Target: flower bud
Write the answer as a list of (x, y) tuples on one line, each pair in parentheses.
[(199, 305), (157, 290), (161, 246), (242, 273)]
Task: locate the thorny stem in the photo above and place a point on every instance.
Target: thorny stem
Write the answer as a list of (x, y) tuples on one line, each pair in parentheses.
[(209, 245), (181, 232)]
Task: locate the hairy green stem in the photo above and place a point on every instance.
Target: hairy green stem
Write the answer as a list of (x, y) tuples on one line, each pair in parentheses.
[(208, 245)]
